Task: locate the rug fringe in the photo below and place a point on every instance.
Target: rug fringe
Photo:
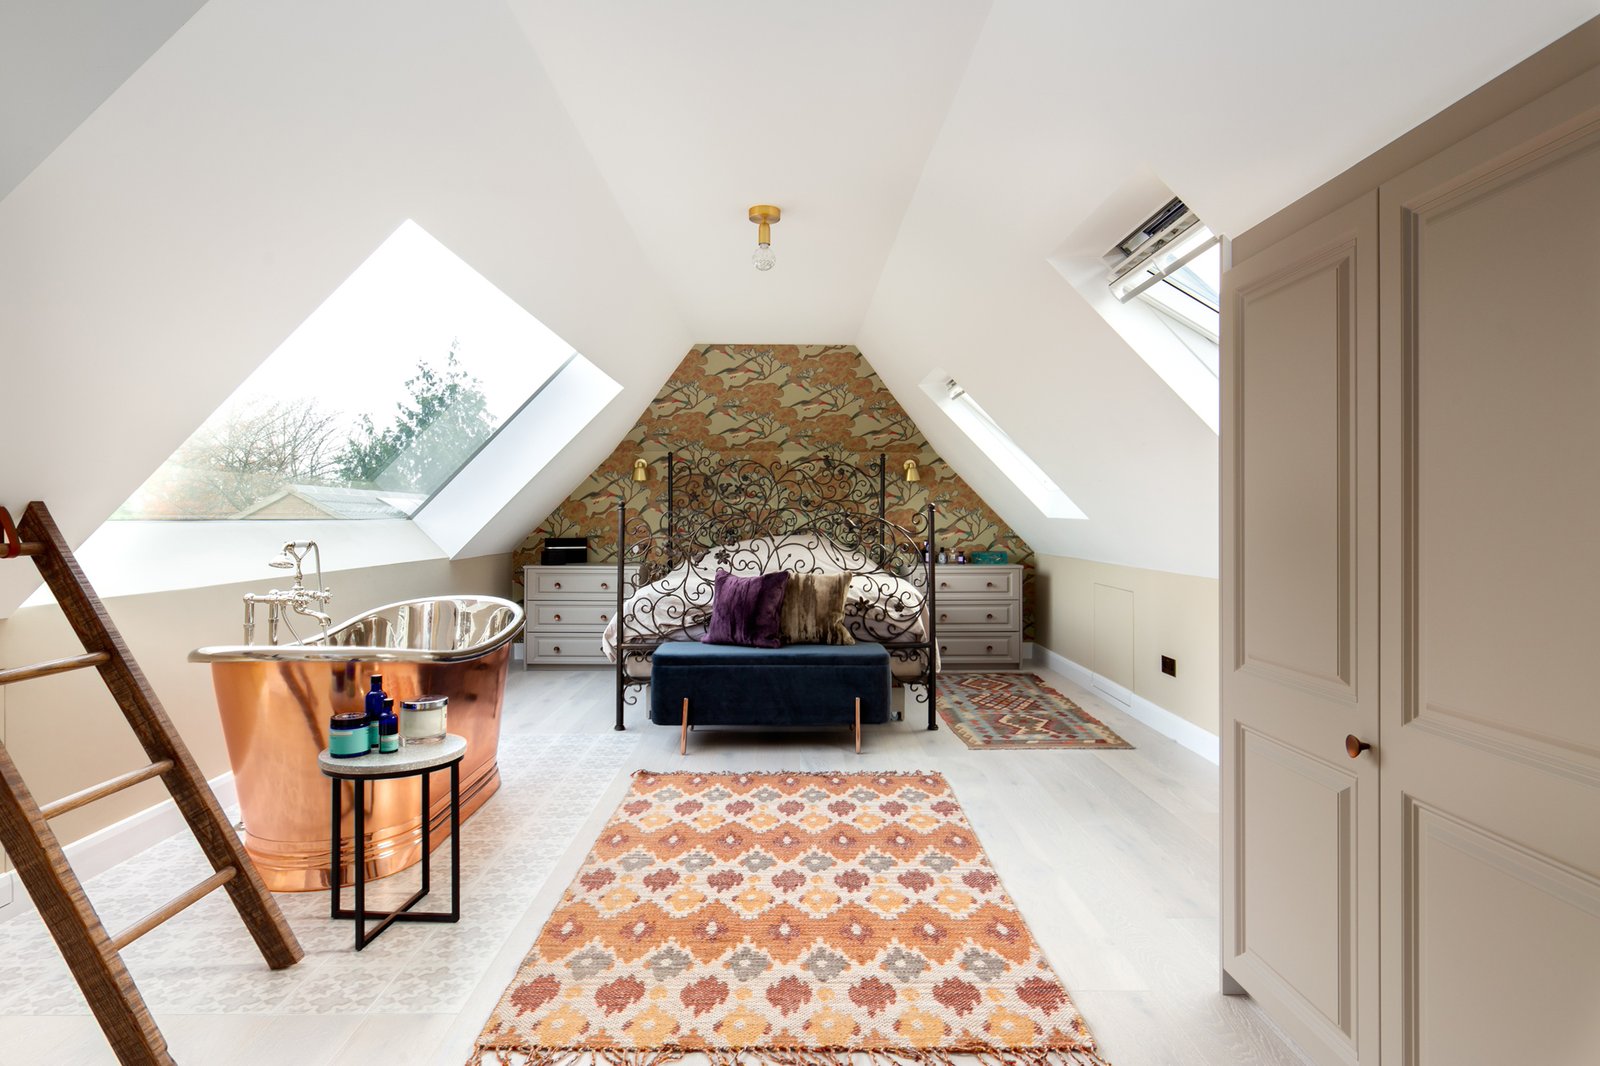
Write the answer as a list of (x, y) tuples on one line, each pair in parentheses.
[(787, 773), (527, 1055)]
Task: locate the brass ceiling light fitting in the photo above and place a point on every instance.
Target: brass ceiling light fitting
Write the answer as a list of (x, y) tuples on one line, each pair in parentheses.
[(764, 215), (912, 473), (641, 470)]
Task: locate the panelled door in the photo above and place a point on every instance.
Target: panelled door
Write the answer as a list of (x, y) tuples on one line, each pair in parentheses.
[(1299, 632), (1490, 761)]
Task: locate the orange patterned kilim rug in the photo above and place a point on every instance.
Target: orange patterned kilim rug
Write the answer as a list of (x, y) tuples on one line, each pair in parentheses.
[(786, 920)]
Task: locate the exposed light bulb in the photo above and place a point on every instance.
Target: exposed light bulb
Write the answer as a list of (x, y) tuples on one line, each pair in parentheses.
[(764, 257)]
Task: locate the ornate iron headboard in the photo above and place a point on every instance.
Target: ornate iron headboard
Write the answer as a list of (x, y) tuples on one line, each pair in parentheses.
[(813, 514)]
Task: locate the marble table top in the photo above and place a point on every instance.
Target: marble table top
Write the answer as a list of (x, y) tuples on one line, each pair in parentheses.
[(410, 757)]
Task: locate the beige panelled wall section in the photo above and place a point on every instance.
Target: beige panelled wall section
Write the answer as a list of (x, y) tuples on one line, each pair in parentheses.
[(1411, 555), (1173, 614)]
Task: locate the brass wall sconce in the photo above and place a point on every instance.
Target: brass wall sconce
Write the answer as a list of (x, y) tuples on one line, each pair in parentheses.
[(912, 473), (641, 470)]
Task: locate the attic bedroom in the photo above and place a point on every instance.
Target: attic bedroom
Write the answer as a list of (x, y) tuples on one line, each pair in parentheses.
[(990, 531)]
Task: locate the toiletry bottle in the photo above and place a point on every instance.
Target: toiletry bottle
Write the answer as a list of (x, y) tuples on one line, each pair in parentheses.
[(961, 557), (388, 729), (941, 557), (347, 735), (375, 700)]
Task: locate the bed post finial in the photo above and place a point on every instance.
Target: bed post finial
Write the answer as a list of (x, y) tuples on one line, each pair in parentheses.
[(933, 622), (622, 635)]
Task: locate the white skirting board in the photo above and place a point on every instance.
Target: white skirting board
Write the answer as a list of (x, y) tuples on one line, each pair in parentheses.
[(104, 848), (1198, 740)]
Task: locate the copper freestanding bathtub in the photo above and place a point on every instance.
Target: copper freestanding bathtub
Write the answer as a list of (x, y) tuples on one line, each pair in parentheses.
[(275, 701)]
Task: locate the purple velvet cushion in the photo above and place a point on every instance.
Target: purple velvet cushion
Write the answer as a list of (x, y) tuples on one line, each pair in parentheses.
[(745, 610)]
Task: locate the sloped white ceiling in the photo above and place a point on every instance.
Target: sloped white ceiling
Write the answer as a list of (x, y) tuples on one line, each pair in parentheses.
[(60, 60), (696, 109), (594, 161), (216, 198)]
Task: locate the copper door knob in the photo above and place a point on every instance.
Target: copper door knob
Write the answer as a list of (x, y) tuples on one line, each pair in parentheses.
[(1354, 746)]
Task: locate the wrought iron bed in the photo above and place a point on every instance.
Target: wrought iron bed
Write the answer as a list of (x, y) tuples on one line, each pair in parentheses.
[(717, 507)]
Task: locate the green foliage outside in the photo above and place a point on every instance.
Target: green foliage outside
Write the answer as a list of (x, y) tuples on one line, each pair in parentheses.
[(430, 436)]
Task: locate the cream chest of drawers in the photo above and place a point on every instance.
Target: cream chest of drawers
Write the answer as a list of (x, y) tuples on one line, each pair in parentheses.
[(567, 610), (979, 612)]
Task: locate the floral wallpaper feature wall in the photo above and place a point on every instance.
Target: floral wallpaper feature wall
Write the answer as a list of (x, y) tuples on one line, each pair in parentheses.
[(775, 402)]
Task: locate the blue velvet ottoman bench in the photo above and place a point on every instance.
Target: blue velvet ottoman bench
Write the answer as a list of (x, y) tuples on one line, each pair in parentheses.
[(795, 685)]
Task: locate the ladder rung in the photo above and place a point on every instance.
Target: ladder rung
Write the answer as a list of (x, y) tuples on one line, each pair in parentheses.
[(172, 909), (54, 666), (104, 789), (27, 547)]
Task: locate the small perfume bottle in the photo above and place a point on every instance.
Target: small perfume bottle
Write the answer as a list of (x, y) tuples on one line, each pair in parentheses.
[(388, 730), (375, 700), (961, 557)]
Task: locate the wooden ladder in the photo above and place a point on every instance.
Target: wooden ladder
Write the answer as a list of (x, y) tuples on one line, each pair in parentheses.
[(93, 954)]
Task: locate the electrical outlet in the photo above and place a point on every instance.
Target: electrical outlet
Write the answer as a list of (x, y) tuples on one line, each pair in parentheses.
[(1169, 666)]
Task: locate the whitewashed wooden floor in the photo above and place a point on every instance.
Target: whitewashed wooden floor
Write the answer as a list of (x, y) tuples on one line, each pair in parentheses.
[(1111, 857)]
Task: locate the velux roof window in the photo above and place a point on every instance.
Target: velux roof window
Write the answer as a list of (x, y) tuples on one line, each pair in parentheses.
[(372, 405), (986, 433), (1174, 263)]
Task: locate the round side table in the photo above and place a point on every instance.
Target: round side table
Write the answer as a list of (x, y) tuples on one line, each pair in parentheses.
[(412, 760)]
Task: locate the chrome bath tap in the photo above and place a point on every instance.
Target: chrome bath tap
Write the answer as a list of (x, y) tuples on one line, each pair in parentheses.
[(297, 598)]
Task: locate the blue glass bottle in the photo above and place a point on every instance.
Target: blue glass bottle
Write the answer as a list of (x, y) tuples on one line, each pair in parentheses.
[(388, 730), (375, 699)]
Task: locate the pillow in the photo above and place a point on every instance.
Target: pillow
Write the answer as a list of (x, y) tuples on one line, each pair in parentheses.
[(813, 609), (744, 610)]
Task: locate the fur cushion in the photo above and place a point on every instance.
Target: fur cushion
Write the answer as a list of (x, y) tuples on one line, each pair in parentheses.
[(744, 610), (813, 609)]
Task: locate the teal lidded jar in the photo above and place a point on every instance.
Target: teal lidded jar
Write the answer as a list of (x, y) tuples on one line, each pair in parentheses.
[(347, 735)]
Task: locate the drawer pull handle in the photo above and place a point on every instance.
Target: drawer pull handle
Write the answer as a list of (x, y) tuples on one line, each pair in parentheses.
[(944, 584), (556, 649), (944, 648), (558, 618), (988, 618), (602, 618), (944, 618), (988, 584), (988, 647), (558, 584), (605, 584), (1354, 746)]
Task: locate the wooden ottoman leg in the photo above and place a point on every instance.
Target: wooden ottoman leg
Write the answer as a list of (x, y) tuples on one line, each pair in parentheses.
[(858, 725), (683, 729)]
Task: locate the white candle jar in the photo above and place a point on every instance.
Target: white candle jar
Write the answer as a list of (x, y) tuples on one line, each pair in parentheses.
[(422, 720)]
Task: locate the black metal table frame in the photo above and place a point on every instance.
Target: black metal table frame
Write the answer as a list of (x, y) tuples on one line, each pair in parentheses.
[(403, 913)]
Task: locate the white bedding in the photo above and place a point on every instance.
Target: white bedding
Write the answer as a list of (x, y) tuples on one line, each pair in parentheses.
[(880, 607)]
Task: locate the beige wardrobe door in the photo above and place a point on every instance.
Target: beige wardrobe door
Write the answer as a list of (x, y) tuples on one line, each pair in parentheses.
[(1299, 632), (1491, 612)]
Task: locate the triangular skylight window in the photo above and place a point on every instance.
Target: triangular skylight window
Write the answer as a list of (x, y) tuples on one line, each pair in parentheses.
[(1016, 464), (374, 403)]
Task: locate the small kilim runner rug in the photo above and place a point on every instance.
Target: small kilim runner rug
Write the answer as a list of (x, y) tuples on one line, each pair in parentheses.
[(1018, 711), (786, 920)]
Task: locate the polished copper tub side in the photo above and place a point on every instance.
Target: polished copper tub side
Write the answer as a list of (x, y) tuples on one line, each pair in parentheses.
[(275, 712)]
